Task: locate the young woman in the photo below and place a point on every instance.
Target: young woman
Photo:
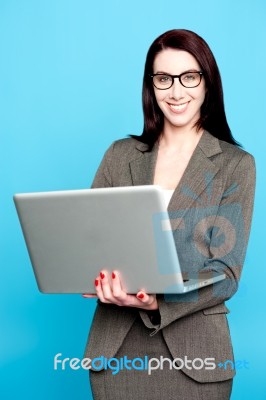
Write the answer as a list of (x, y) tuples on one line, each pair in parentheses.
[(187, 148)]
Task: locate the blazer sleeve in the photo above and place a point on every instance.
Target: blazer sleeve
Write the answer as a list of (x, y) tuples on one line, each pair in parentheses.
[(103, 178), (238, 200)]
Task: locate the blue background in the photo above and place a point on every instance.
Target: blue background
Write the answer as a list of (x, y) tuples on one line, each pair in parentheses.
[(60, 108)]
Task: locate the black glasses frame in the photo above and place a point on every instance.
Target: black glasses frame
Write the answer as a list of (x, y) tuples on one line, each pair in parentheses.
[(179, 78)]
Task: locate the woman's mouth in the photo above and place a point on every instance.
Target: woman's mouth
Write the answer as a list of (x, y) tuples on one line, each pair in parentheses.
[(178, 108)]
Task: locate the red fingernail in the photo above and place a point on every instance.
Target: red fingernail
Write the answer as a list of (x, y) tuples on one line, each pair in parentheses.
[(140, 296), (96, 282), (102, 275), (113, 275)]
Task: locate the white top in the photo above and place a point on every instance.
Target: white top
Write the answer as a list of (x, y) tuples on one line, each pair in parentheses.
[(167, 195)]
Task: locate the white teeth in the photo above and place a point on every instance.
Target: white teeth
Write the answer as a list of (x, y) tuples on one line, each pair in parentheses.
[(178, 107)]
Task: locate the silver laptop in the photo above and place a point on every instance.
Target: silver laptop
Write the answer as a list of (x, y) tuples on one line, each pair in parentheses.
[(72, 235)]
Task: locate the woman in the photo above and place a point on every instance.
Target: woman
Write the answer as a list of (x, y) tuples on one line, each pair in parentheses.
[(187, 148)]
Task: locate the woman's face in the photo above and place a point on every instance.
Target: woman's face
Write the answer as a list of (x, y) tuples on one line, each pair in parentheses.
[(180, 105)]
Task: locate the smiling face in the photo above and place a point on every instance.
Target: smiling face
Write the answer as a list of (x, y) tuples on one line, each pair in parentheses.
[(179, 105)]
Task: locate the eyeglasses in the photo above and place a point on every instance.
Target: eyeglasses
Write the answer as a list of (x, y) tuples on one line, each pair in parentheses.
[(188, 79)]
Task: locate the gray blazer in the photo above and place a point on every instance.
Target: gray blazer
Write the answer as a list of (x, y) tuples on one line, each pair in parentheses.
[(217, 188)]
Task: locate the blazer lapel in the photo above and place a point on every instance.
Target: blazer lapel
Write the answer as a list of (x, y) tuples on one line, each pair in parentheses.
[(197, 177), (142, 168)]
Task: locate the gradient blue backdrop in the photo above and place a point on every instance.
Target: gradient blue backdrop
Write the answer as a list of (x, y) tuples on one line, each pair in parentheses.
[(60, 107)]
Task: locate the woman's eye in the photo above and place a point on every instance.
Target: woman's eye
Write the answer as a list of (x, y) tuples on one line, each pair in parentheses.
[(164, 78), (189, 77)]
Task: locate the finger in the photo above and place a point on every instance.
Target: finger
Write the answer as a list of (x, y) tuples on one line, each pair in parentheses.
[(105, 287), (142, 297), (145, 298), (118, 292), (88, 296), (98, 289)]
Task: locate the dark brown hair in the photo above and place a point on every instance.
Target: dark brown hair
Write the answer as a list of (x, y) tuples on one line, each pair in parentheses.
[(213, 117)]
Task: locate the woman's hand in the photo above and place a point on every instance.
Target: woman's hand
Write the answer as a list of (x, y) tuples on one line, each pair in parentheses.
[(109, 291)]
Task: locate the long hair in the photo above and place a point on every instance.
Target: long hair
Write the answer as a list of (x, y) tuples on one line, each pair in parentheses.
[(212, 115)]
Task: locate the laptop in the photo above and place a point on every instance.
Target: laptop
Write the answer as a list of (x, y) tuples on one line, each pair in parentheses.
[(72, 235)]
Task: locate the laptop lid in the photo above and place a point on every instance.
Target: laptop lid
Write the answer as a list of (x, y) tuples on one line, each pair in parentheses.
[(72, 235)]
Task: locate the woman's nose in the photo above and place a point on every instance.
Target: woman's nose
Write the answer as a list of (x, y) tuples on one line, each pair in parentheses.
[(176, 90)]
